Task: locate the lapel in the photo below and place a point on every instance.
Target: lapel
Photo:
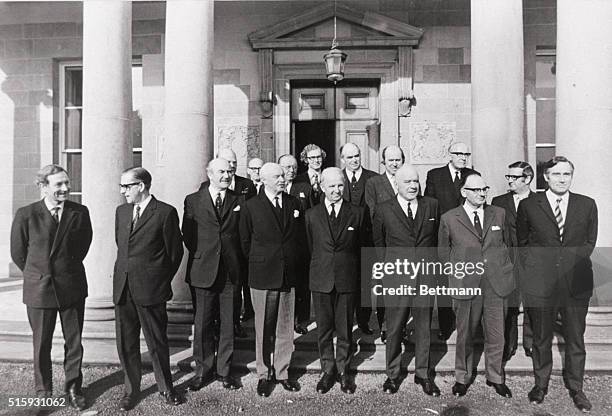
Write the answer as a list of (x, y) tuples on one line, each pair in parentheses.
[(347, 187), (343, 217), (509, 204), (421, 216), (463, 218), (545, 206), (146, 215), (450, 184), (267, 206), (286, 211), (64, 224), (397, 208), (323, 217), (207, 203), (387, 185), (572, 212), (488, 219), (228, 202), (47, 221)]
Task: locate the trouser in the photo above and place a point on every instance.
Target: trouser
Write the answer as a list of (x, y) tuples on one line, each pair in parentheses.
[(42, 321)]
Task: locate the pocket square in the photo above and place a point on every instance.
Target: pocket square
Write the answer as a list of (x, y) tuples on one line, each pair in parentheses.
[(495, 228), (350, 229), (237, 208), (431, 219), (302, 195), (296, 213)]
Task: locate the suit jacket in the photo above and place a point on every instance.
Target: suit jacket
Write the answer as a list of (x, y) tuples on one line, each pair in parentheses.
[(378, 189), (439, 185), (391, 232), (243, 187), (506, 201), (302, 190), (356, 195), (544, 258), (274, 249), (313, 197), (336, 257), (211, 239), (51, 262), (459, 243), (150, 255)]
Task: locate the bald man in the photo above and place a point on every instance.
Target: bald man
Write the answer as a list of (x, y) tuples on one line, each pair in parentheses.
[(254, 166), (379, 189), (443, 184), (408, 222), (336, 231), (214, 272), (271, 233)]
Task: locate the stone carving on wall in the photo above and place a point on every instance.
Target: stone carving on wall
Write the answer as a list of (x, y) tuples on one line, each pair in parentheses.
[(429, 141), (243, 140)]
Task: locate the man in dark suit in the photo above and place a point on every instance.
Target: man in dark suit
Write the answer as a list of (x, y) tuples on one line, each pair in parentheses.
[(210, 232), (407, 227), (302, 191), (149, 252), (271, 233), (245, 189), (379, 189), (444, 184), (336, 232), (254, 166), (473, 238), (355, 178), (557, 232), (519, 177), (313, 157), (49, 240)]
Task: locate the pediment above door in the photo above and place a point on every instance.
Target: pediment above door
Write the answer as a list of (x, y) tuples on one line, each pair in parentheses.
[(355, 29)]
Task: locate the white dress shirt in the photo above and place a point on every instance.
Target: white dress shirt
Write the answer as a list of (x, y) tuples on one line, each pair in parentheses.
[(469, 210), (51, 207), (414, 205), (393, 182), (552, 200), (213, 193), (337, 206), (142, 204), (349, 174), (271, 197)]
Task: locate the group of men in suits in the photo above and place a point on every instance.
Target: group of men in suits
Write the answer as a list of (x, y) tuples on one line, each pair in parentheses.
[(246, 244)]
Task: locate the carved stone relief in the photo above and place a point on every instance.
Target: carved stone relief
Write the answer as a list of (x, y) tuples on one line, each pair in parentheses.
[(429, 141)]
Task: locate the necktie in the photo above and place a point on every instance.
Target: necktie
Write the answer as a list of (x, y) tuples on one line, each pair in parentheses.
[(394, 185), (559, 218), (55, 214), (457, 178), (277, 204), (477, 224), (136, 218), (410, 216), (218, 203), (354, 180), (332, 213), (315, 182)]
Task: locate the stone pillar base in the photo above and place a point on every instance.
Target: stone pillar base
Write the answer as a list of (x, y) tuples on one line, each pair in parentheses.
[(99, 309)]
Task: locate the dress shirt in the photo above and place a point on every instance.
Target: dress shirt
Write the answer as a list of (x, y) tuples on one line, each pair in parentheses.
[(142, 204), (452, 170), (288, 187), (59, 211), (311, 175), (552, 200), (414, 205), (232, 184), (470, 213), (518, 198), (349, 174), (393, 182), (214, 191), (337, 206), (271, 197)]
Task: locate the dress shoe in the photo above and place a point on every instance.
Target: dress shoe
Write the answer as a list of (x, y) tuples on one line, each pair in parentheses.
[(239, 331), (429, 386), (290, 385), (230, 383), (391, 385), (300, 329), (264, 387), (508, 354), (365, 329), (537, 394), (383, 337), (325, 383), (528, 352), (346, 383), (170, 397), (76, 398), (501, 389), (127, 402), (460, 389), (197, 383), (580, 401)]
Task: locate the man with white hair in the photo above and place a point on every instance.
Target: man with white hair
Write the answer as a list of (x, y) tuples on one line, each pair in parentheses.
[(273, 239), (254, 166), (336, 232)]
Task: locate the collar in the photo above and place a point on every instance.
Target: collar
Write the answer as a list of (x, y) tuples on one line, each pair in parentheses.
[(452, 170), (469, 210), (271, 197), (520, 197), (337, 206), (404, 204), (143, 204), (552, 198), (232, 184), (349, 174), (214, 191), (50, 207), (312, 172), (390, 178)]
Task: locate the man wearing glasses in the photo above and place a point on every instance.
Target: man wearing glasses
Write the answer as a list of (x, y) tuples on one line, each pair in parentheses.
[(149, 252), (473, 239), (443, 183), (254, 167), (313, 157), (519, 177)]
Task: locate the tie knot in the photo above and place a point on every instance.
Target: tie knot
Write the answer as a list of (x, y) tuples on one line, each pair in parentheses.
[(559, 200), (137, 208), (55, 210)]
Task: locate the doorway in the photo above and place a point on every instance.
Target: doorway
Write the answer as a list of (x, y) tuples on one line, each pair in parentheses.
[(330, 116)]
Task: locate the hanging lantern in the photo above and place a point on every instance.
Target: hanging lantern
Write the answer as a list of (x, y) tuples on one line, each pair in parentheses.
[(334, 63)]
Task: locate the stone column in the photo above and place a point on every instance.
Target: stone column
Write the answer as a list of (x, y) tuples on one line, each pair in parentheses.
[(497, 88), (584, 125), (188, 124), (107, 139)]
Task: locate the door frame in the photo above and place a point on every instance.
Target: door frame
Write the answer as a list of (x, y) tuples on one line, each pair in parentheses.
[(385, 72)]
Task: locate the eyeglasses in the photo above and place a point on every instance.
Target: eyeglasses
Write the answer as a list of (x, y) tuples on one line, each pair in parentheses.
[(127, 186), (255, 168), (514, 177), (461, 154), (314, 157), (478, 190)]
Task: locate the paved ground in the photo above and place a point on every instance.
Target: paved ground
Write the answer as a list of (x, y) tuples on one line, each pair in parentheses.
[(104, 390)]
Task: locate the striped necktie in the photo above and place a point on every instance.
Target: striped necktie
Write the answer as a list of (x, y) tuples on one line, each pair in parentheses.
[(559, 218)]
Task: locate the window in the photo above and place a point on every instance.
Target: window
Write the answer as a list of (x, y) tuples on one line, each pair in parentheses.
[(71, 116), (545, 111)]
